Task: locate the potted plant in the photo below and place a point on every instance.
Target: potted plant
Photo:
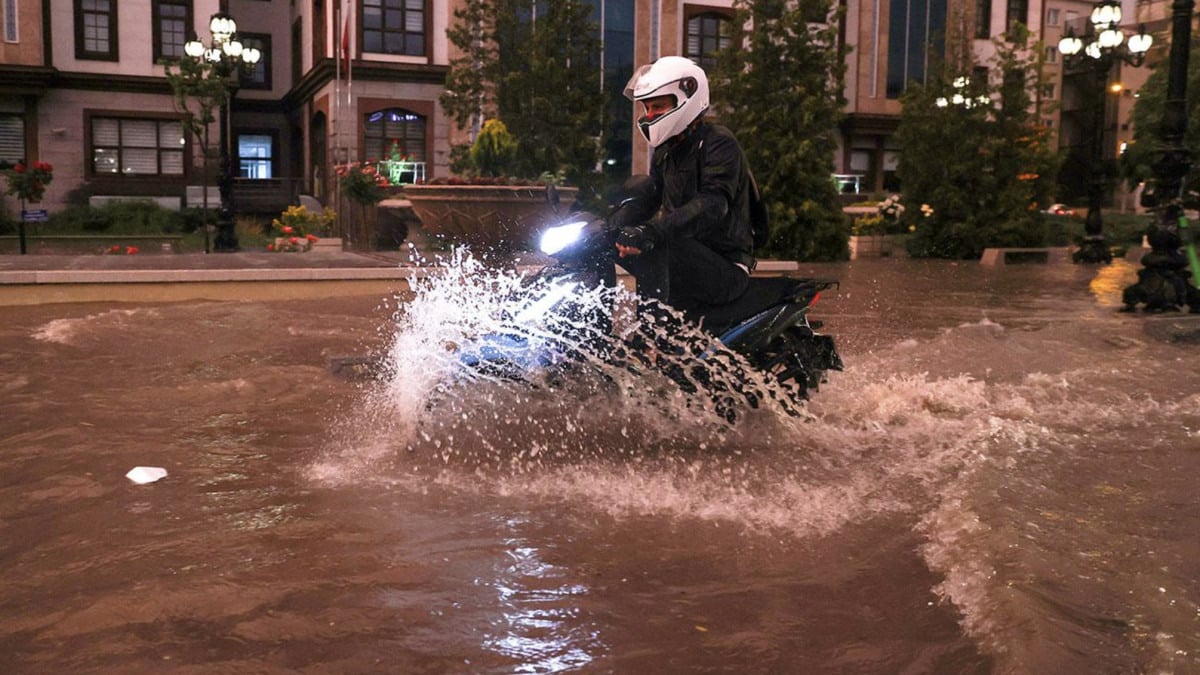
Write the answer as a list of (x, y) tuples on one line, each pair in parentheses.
[(364, 186), (485, 207), (28, 182), (297, 229), (545, 90)]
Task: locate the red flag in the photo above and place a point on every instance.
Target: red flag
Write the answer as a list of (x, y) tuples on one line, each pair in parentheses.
[(347, 21)]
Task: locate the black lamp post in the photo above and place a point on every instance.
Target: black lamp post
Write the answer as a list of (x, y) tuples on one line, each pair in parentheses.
[(1103, 45), (1163, 282), (225, 53)]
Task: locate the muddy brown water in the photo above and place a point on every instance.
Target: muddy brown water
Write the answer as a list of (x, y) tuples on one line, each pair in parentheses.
[(1002, 481)]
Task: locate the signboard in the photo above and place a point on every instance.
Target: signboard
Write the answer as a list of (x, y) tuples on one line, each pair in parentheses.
[(34, 216)]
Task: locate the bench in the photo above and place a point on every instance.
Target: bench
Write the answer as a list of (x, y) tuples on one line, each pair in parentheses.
[(1010, 256), (76, 241)]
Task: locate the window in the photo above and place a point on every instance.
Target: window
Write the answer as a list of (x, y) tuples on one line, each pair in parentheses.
[(171, 24), (394, 27), (136, 146), (1018, 12), (260, 77), (255, 153), (983, 19), (707, 34), (12, 139), (916, 31), (10, 21), (96, 29), (1052, 17), (395, 126), (1048, 91), (1051, 54)]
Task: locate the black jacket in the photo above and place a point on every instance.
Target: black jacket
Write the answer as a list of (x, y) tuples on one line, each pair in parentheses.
[(705, 187)]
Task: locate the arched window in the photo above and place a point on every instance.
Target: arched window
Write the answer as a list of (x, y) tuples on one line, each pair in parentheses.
[(394, 126)]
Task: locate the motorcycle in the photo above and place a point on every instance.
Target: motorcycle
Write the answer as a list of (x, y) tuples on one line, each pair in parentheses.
[(564, 319)]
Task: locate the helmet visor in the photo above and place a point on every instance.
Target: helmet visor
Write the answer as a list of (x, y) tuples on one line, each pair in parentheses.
[(632, 91)]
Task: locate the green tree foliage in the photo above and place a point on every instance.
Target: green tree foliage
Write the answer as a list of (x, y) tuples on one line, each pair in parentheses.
[(198, 89), (494, 149), (980, 163), (538, 73), (1137, 164), (780, 90)]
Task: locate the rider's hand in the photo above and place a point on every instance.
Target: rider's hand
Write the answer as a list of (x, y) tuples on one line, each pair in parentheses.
[(635, 240)]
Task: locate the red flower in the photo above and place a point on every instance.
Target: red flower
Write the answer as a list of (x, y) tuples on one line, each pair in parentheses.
[(287, 229), (131, 250), (293, 240), (19, 168), (311, 237)]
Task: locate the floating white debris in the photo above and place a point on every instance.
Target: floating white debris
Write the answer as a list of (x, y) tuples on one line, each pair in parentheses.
[(146, 474)]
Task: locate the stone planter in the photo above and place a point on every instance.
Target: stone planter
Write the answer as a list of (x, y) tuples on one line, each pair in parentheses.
[(878, 246), (505, 217)]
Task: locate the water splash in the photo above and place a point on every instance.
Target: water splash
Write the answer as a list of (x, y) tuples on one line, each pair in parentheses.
[(489, 368)]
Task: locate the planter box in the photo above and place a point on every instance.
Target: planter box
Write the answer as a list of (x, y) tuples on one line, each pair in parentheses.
[(878, 246), (503, 217)]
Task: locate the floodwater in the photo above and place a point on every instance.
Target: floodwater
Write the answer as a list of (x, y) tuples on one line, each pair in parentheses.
[(1001, 481)]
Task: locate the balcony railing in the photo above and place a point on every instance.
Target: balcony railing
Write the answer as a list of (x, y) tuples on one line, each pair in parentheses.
[(403, 172), (848, 182)]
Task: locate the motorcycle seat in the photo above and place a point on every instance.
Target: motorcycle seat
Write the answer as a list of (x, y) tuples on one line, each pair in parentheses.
[(761, 294)]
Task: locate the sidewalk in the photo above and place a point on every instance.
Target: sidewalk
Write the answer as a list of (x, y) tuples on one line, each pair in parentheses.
[(201, 267)]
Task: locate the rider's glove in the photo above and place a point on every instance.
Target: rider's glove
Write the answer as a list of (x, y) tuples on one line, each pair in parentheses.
[(641, 237)]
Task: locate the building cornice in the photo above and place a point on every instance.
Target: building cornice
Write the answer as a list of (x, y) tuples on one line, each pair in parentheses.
[(325, 72), (867, 123), (19, 79), (130, 84)]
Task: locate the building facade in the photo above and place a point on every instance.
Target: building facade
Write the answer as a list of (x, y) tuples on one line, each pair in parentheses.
[(81, 85)]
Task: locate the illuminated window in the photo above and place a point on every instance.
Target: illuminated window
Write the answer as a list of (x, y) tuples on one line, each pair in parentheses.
[(398, 127), (136, 147), (255, 153)]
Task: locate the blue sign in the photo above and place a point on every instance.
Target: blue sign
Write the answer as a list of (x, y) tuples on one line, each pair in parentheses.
[(34, 216)]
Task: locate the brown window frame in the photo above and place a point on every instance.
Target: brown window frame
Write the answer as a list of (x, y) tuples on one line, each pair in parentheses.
[(264, 64), (273, 134), (360, 26), (156, 26), (724, 14), (114, 48), (89, 146)]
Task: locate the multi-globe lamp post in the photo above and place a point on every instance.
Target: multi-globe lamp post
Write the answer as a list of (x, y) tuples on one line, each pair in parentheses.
[(224, 53), (1102, 46)]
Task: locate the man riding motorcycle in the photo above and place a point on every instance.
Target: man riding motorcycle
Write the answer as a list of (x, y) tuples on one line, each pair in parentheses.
[(690, 241)]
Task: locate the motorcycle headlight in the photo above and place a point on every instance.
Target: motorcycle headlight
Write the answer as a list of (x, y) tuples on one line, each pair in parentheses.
[(557, 238)]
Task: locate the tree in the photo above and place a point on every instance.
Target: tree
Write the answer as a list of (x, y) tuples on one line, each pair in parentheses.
[(199, 88), (1137, 164), (536, 68), (779, 88), (987, 192)]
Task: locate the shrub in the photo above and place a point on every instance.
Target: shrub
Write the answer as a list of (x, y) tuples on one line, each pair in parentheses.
[(494, 149)]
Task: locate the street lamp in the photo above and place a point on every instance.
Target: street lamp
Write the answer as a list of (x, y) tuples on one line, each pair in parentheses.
[(225, 53), (1163, 282), (1102, 45)]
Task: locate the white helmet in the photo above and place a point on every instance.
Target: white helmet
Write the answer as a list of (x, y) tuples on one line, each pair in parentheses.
[(675, 76)]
